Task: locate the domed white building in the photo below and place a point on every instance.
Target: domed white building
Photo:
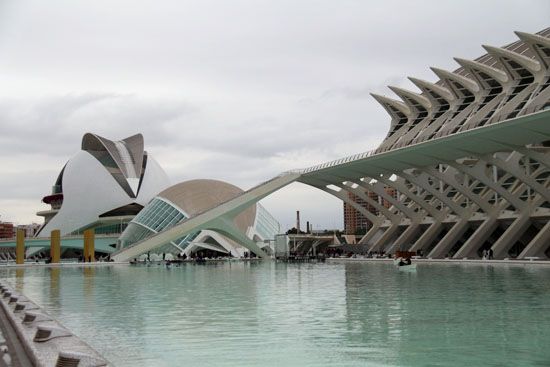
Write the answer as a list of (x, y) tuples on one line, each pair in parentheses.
[(187, 199), (103, 186)]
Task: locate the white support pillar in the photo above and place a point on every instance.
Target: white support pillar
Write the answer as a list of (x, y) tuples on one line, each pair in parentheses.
[(403, 241), (370, 233), (538, 244), (511, 235), (450, 239), (477, 239), (382, 241), (428, 236)]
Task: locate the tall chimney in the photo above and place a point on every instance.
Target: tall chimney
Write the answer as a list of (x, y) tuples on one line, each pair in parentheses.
[(297, 221), (307, 227)]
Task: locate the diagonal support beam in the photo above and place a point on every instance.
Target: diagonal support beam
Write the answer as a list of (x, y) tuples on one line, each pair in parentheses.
[(511, 235), (476, 240), (403, 241), (538, 244), (383, 240), (450, 239), (428, 236)]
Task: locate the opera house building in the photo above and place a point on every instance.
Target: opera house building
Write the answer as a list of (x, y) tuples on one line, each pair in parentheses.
[(117, 189)]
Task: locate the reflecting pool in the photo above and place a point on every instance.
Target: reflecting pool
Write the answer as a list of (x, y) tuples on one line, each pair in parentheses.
[(274, 314)]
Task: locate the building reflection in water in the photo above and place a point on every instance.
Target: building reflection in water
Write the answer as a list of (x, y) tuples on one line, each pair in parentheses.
[(376, 306), (54, 282), (19, 279), (51, 294), (88, 273)]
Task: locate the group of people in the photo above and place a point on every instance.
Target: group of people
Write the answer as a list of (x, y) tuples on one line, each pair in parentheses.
[(402, 261), (487, 254)]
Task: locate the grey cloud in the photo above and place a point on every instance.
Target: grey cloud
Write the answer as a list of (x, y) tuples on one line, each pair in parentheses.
[(359, 92), (20, 184), (54, 125)]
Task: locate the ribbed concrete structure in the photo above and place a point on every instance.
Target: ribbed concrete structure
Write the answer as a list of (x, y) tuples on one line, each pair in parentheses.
[(490, 198), (468, 155)]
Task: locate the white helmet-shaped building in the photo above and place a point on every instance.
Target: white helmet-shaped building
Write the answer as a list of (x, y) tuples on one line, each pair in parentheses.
[(105, 184), (189, 198)]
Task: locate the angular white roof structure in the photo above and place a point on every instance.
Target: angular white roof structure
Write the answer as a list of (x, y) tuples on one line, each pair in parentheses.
[(105, 179)]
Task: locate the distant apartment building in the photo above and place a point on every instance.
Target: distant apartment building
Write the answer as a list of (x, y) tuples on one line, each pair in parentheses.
[(354, 221), (30, 229), (9, 230), (6, 230)]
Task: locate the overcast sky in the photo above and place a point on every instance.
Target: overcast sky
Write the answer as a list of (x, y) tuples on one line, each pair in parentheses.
[(235, 90)]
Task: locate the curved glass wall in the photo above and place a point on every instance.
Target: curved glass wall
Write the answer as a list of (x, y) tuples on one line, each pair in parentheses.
[(266, 225), (161, 214), (158, 215), (105, 228)]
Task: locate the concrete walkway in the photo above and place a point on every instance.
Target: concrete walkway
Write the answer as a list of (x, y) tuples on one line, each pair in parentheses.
[(12, 352), (446, 261), (60, 265)]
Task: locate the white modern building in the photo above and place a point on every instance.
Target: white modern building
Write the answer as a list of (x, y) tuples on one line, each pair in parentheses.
[(117, 188), (103, 186), (189, 198), (468, 156)]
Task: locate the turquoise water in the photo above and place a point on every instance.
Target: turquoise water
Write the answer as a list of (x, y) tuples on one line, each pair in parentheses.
[(272, 314)]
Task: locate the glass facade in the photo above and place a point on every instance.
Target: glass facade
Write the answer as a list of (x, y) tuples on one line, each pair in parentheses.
[(157, 216), (112, 228), (161, 214), (266, 225)]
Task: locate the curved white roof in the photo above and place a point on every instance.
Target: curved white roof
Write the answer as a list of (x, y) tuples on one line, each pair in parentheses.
[(91, 189)]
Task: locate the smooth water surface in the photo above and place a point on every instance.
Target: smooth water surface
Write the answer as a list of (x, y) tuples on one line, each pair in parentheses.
[(273, 314)]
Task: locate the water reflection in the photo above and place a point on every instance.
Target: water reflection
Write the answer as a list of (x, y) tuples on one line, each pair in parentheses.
[(52, 293), (88, 278), (19, 279), (54, 282), (274, 314)]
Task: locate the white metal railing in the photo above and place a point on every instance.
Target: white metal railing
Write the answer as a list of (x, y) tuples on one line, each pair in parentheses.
[(336, 162)]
